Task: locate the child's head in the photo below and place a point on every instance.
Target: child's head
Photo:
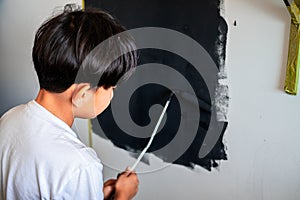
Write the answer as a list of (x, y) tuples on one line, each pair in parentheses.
[(63, 42)]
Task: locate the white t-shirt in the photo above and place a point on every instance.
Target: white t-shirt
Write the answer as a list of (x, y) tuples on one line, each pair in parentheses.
[(42, 158)]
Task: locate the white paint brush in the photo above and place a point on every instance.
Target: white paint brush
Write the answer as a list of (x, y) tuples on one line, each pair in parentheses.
[(153, 133)]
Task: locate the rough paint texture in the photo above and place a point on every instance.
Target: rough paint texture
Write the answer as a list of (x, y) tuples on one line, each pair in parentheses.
[(200, 20)]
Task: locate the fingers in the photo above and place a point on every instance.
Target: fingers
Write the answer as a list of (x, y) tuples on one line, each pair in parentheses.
[(127, 184), (127, 171), (110, 182), (109, 188)]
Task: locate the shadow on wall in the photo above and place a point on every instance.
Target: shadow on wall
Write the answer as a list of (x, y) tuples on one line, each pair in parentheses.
[(278, 11)]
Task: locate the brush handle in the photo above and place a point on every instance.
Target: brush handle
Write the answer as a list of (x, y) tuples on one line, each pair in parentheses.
[(153, 133)]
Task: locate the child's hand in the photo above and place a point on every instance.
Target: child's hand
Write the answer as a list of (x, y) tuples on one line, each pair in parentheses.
[(109, 188), (126, 186)]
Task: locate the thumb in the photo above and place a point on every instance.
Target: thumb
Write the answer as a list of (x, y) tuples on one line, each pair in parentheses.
[(128, 169)]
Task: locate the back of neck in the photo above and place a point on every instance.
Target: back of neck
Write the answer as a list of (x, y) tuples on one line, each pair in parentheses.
[(59, 104)]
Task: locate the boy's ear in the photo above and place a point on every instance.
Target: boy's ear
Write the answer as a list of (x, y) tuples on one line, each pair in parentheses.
[(79, 93)]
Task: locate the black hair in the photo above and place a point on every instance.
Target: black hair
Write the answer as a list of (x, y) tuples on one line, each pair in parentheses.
[(64, 42)]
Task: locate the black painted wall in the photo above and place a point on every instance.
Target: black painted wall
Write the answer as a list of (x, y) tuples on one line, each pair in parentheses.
[(200, 20)]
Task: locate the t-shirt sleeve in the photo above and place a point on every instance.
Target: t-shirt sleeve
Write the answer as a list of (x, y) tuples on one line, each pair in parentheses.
[(85, 183)]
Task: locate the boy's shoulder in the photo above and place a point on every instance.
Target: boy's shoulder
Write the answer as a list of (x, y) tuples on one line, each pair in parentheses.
[(10, 118), (13, 111), (42, 148)]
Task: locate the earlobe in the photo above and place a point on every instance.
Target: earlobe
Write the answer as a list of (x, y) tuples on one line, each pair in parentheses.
[(79, 93)]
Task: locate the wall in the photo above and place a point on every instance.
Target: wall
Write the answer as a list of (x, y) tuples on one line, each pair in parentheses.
[(18, 22), (263, 135)]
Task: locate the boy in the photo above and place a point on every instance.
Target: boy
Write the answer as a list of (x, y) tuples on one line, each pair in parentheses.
[(41, 157)]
